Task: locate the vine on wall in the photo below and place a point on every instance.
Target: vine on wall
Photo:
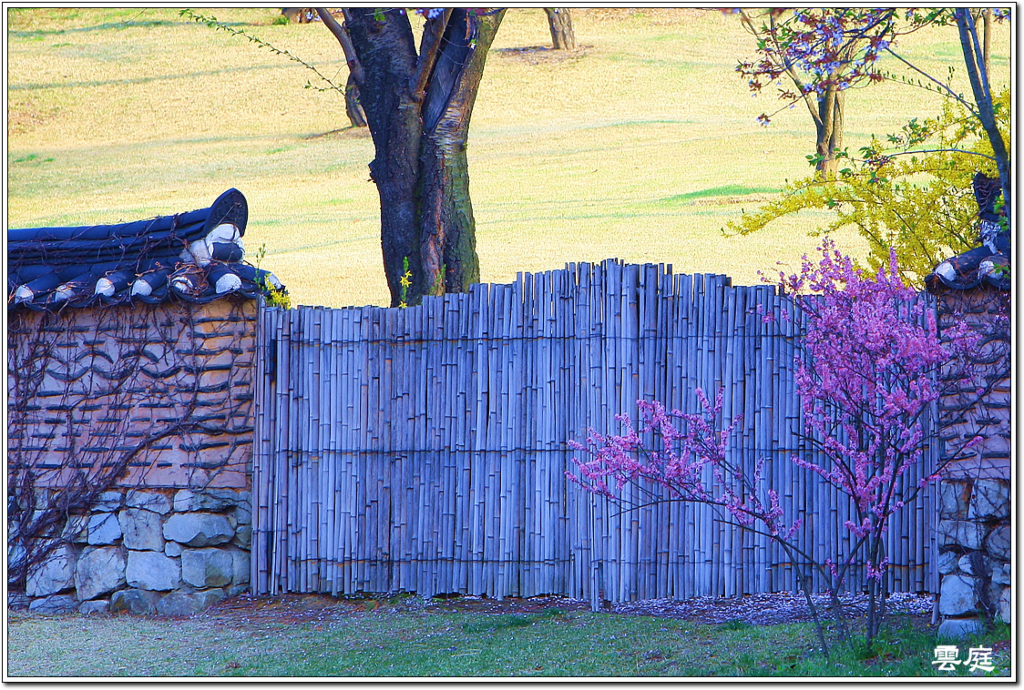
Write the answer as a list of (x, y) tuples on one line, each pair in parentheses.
[(121, 396)]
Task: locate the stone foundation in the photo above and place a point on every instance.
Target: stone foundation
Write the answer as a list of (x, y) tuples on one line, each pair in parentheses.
[(153, 407), (974, 552), (168, 552), (974, 492)]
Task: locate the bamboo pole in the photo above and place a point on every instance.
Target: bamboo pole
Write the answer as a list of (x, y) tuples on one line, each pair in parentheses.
[(424, 448)]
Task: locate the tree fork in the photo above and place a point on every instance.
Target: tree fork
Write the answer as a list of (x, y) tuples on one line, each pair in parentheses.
[(447, 225), (418, 107)]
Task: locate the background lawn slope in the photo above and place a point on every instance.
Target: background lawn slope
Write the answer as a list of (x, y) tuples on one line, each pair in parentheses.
[(640, 146)]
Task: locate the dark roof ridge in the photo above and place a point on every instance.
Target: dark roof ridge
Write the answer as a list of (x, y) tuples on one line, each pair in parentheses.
[(195, 256)]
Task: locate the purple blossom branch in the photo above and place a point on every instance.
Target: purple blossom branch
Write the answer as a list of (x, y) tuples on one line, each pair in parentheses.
[(867, 380)]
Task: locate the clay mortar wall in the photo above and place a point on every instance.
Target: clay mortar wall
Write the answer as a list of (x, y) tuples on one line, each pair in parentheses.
[(129, 455)]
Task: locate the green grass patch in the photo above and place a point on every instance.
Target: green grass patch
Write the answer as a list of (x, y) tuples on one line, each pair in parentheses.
[(32, 158), (377, 640), (726, 190)]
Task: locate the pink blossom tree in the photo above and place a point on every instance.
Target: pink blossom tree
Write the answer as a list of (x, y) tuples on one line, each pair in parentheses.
[(871, 367)]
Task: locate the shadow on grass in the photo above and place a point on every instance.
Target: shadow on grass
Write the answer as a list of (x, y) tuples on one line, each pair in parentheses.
[(110, 26), (142, 80)]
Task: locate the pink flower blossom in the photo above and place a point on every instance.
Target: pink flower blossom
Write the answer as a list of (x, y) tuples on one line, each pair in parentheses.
[(867, 377)]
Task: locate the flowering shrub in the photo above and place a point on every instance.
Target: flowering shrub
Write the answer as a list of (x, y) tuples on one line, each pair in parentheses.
[(867, 379), (921, 205), (815, 55), (689, 444)]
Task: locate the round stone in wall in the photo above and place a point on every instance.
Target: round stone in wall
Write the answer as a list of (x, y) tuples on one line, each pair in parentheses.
[(198, 529), (149, 500), (54, 604), (137, 601), (990, 500), (957, 596), (998, 543), (151, 570), (94, 606), (102, 529), (1005, 605), (108, 502), (188, 603), (143, 529), (100, 571), (55, 574), (959, 628), (206, 567), (186, 500)]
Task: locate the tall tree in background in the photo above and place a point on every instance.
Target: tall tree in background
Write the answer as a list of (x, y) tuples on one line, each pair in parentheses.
[(976, 57), (418, 106), (787, 45), (563, 37), (823, 52), (909, 192)]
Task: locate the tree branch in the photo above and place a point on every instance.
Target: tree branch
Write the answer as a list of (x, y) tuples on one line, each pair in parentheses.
[(430, 45), (341, 33), (791, 71), (910, 153), (979, 60), (949, 92)]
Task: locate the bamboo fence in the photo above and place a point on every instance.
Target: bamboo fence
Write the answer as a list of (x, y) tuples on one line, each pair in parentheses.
[(425, 449)]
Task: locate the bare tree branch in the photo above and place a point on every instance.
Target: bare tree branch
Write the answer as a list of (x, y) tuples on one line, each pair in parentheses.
[(430, 46), (341, 33), (949, 92)]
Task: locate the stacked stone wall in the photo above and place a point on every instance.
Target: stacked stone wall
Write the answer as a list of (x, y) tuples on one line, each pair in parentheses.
[(171, 552), (974, 551), (974, 492), (153, 405)]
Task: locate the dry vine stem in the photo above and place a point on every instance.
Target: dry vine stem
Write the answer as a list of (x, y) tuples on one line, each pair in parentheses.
[(135, 396)]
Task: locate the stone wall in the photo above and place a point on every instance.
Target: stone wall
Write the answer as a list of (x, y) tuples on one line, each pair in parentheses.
[(171, 552), (974, 492), (129, 450)]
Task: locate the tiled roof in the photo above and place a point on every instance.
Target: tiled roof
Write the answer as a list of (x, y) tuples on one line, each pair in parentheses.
[(195, 257), (988, 264)]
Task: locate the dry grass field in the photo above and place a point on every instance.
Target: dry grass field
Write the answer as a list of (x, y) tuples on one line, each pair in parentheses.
[(640, 146)]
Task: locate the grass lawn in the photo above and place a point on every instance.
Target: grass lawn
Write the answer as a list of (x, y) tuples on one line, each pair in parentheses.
[(641, 146), (371, 638)]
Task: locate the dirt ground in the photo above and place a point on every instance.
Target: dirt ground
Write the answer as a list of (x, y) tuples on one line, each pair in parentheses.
[(756, 609)]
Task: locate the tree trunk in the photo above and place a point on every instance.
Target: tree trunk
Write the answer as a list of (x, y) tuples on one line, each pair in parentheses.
[(563, 37), (418, 109), (987, 49), (353, 108), (448, 237), (828, 126), (978, 76), (983, 16)]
